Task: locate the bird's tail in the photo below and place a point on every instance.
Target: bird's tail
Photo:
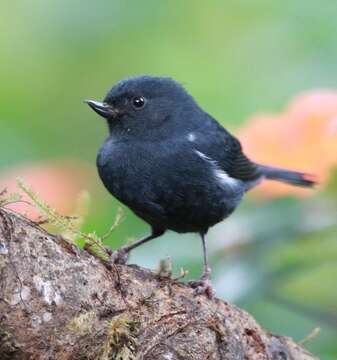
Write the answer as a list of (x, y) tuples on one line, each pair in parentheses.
[(288, 176)]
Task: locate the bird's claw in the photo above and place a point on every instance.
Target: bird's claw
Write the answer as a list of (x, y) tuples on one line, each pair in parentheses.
[(120, 256), (203, 286)]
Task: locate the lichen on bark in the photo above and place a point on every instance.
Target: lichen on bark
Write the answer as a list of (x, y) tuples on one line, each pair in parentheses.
[(57, 301)]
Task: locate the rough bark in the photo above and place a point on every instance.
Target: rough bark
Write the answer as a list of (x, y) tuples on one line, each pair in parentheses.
[(59, 302)]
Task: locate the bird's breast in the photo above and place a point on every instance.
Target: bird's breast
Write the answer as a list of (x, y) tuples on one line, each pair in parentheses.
[(128, 169)]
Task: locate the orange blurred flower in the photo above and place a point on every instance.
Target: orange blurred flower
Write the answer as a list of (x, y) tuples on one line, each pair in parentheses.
[(57, 183), (304, 138)]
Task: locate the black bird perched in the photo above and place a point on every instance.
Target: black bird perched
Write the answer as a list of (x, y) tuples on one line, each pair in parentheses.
[(172, 163)]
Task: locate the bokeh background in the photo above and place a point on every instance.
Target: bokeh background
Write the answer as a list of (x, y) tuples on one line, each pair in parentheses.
[(265, 69)]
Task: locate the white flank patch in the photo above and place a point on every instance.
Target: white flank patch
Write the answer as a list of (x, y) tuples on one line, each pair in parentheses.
[(191, 137), (224, 177), (219, 174)]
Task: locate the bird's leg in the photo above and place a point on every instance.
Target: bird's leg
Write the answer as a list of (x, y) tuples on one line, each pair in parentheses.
[(121, 255), (204, 285)]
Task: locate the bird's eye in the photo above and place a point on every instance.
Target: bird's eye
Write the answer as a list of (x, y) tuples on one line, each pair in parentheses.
[(138, 102)]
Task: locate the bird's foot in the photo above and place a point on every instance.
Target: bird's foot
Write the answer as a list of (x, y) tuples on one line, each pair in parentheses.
[(203, 285), (120, 256)]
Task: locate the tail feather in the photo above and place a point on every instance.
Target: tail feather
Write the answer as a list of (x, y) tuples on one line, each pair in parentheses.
[(288, 176)]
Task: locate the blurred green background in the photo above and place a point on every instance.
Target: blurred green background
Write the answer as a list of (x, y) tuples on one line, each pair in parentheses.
[(277, 259)]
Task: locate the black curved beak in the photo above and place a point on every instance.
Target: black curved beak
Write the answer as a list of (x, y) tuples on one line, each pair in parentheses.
[(103, 109)]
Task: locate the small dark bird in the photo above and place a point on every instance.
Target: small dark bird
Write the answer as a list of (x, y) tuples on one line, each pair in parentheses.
[(173, 164)]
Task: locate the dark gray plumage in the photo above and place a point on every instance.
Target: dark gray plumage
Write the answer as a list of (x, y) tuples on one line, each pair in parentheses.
[(173, 164)]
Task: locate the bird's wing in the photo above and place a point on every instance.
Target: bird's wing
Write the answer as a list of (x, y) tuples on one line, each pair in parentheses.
[(236, 163), (219, 145)]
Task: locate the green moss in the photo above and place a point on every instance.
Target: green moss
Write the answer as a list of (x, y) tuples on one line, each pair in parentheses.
[(121, 338), (83, 323), (70, 226), (7, 344)]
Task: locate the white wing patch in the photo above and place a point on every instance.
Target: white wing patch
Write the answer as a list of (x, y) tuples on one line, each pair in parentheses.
[(225, 178), (205, 157), (191, 137), (219, 174)]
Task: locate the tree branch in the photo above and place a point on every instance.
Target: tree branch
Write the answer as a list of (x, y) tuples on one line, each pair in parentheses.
[(59, 302)]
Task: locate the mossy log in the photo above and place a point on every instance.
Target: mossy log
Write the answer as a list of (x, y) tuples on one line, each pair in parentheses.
[(57, 301)]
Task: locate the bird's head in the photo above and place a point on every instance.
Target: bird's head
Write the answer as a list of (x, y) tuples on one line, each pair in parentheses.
[(146, 106)]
